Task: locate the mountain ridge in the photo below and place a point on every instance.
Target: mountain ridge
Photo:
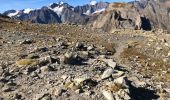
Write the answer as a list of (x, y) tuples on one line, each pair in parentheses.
[(60, 13)]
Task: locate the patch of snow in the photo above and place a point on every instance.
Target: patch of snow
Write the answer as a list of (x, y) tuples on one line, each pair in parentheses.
[(37, 8), (93, 2), (87, 12), (61, 3), (27, 11), (18, 15), (13, 14), (99, 10), (72, 9), (58, 10)]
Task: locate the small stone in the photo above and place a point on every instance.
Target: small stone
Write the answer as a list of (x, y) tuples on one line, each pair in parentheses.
[(79, 45), (8, 88), (124, 94), (44, 61), (1, 70), (47, 60), (167, 44), (79, 80), (90, 83), (132, 43), (117, 74), (41, 49), (88, 93), (68, 58), (122, 81), (32, 56), (44, 68), (139, 84), (27, 41), (108, 95), (89, 48), (136, 82), (59, 92), (110, 63), (78, 91), (64, 77), (107, 73), (46, 96), (11, 83), (159, 48), (117, 97), (19, 22), (169, 54), (84, 54), (17, 96)]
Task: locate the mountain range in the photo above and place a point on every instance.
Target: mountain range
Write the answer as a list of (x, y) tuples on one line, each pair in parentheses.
[(154, 14), (58, 13)]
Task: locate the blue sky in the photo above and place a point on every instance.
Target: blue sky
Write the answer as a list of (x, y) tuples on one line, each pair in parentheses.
[(23, 4)]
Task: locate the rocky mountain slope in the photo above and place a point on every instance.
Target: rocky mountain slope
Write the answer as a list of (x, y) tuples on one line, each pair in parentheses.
[(157, 11), (68, 61), (121, 16)]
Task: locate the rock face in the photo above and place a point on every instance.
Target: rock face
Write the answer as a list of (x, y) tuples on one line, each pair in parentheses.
[(120, 15), (43, 15), (158, 13)]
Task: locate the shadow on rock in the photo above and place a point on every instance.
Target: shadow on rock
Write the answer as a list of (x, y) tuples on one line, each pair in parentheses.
[(142, 93), (78, 61)]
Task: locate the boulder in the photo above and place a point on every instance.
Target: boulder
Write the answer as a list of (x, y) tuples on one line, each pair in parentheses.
[(107, 73), (108, 95)]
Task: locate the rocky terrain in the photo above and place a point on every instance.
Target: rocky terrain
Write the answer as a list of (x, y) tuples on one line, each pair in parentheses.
[(76, 62)]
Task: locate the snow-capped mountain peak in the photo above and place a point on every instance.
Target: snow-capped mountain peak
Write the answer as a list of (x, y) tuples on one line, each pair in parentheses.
[(13, 13), (27, 11), (61, 3), (93, 2), (57, 9)]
